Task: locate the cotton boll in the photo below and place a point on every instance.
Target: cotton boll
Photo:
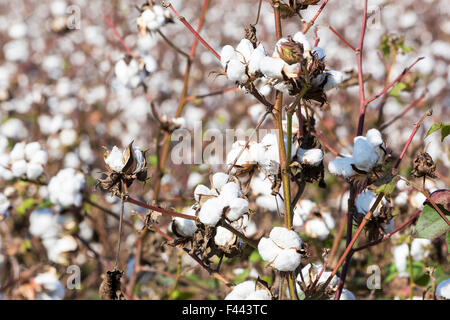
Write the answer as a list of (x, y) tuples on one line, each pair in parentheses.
[(201, 190), (301, 212), (364, 156), (115, 159), (247, 291), (347, 295), (318, 52), (329, 220), (420, 249), (185, 227), (259, 295), (401, 199), (19, 168), (388, 227), (287, 260), (285, 238), (334, 78), (43, 223), (301, 38), (236, 71), (400, 255), (219, 179), (417, 200), (342, 167), (270, 202), (211, 212), (224, 237), (374, 137), (312, 157), (365, 201), (284, 87), (17, 152), (34, 171), (68, 137), (443, 289), (244, 50), (229, 192), (140, 159), (272, 67), (316, 228), (255, 59), (31, 149), (268, 250), (53, 288), (227, 54), (237, 208)]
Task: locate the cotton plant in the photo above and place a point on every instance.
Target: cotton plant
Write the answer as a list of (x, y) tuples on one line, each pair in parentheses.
[(27, 160), (261, 187), (293, 65), (130, 72), (281, 249)]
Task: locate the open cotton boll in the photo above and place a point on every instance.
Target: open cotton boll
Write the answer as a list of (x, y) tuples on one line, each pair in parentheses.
[(301, 212), (317, 228), (374, 137), (34, 171), (400, 257), (272, 67), (115, 159), (53, 289), (201, 190), (257, 152), (287, 260), (237, 149), (237, 208), (334, 79), (318, 52), (224, 237), (342, 167), (364, 156), (312, 157), (388, 227), (420, 249), (236, 71), (229, 192), (317, 268), (443, 289), (268, 250), (365, 201), (247, 291), (19, 168), (228, 53), (284, 87), (301, 38), (43, 223), (185, 227), (285, 238), (346, 295), (219, 179), (211, 212), (244, 50), (255, 59), (17, 152)]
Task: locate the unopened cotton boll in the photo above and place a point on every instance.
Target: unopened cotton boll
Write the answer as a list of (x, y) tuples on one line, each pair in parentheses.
[(443, 289), (219, 179), (211, 212), (237, 208)]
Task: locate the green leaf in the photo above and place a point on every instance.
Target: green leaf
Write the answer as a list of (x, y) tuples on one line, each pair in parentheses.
[(430, 224), (445, 130), (447, 239), (397, 89), (254, 257)]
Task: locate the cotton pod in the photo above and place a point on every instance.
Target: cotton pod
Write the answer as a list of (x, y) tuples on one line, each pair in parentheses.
[(301, 38), (287, 260), (242, 154), (268, 250), (219, 179), (285, 238), (443, 289), (312, 157), (376, 140), (185, 227), (236, 71), (365, 201), (255, 59), (310, 273), (211, 212), (334, 79), (224, 237), (364, 156), (342, 167), (229, 192), (302, 212), (248, 290), (202, 190), (237, 207), (272, 67), (34, 171), (19, 168), (318, 52), (244, 50), (317, 228), (228, 53)]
